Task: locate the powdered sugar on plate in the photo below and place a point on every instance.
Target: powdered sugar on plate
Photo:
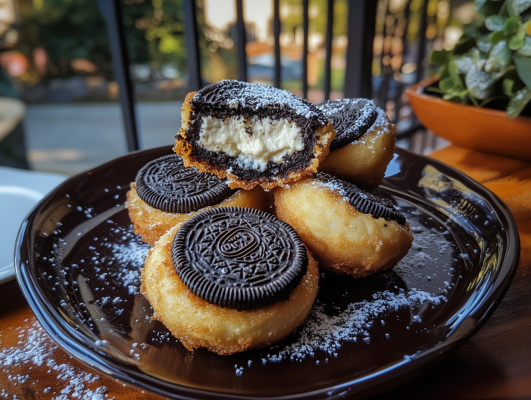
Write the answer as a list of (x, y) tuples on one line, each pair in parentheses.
[(112, 257), (35, 349), (328, 332)]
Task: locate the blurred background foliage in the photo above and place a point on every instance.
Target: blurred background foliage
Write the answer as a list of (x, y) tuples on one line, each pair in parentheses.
[(62, 53)]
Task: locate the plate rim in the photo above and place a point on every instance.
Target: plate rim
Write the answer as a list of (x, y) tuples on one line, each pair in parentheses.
[(46, 183), (398, 371)]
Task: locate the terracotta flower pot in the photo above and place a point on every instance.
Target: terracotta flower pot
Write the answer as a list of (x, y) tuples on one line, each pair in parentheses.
[(472, 127)]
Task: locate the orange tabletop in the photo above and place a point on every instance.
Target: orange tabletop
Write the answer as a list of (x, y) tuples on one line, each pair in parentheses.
[(494, 364)]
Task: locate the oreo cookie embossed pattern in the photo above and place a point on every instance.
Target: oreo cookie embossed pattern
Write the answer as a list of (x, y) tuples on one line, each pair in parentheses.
[(239, 258), (166, 184), (351, 118), (361, 200)]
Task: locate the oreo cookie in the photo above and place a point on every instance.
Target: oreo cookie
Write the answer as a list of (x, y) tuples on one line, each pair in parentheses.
[(239, 258), (361, 200), (351, 119), (166, 184)]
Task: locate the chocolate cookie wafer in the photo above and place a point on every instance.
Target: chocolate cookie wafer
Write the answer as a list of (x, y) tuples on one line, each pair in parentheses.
[(239, 258), (166, 193), (364, 142), (351, 118)]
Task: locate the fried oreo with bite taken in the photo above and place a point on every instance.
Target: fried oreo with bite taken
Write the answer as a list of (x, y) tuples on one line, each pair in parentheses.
[(348, 230), (166, 193), (230, 279), (364, 142), (252, 134)]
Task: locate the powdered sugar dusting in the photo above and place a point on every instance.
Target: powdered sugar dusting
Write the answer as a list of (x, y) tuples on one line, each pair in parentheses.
[(333, 185), (36, 349), (327, 333), (114, 257), (235, 94)]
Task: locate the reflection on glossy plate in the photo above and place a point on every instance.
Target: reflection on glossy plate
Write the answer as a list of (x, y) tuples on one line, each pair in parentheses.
[(78, 264), (20, 190)]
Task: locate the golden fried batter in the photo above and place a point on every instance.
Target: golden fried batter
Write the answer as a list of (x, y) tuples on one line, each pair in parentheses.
[(225, 331), (342, 239), (151, 223), (364, 161)]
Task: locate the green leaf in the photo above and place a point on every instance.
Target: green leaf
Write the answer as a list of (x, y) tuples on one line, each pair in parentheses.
[(453, 71), (446, 84), (517, 40), (443, 72), (439, 57), (454, 97), (497, 37), (525, 50), (515, 43), (484, 44), (521, 31), (517, 7), (463, 64), (434, 90), (497, 76), (471, 31), (510, 26), (518, 102), (495, 22), (508, 87), (523, 67), (479, 83), (478, 4), (499, 57)]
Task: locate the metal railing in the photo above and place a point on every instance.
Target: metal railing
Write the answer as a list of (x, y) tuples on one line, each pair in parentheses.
[(358, 81)]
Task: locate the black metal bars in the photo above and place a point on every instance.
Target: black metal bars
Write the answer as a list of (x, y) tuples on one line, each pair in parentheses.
[(242, 42), (192, 46), (305, 33), (276, 30), (421, 51), (112, 13), (328, 46), (361, 25), (361, 22)]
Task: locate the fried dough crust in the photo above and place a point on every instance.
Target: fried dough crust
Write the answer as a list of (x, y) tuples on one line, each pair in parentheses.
[(364, 161), (151, 223), (343, 240), (197, 323)]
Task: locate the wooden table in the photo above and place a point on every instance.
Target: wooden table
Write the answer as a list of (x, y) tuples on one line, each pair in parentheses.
[(494, 364)]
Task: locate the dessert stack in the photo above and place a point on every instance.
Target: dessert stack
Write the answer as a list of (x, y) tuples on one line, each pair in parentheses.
[(264, 189)]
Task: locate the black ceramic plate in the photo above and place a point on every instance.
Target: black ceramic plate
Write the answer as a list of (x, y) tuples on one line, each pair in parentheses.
[(78, 263)]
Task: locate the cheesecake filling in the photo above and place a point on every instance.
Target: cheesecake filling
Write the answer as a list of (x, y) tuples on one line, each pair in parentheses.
[(253, 142)]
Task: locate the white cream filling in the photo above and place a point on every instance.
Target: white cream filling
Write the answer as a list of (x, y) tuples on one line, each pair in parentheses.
[(254, 142)]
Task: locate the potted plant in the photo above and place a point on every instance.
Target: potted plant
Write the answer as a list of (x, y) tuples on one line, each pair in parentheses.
[(482, 96)]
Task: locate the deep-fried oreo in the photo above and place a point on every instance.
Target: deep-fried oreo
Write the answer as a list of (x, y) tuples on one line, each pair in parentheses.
[(239, 258), (167, 193), (351, 118), (364, 143), (252, 134), (255, 255), (166, 184), (362, 201), (348, 230)]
